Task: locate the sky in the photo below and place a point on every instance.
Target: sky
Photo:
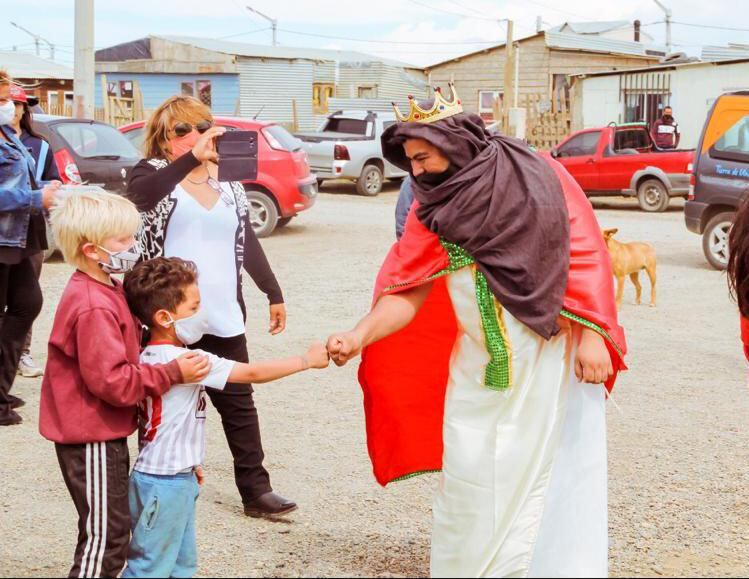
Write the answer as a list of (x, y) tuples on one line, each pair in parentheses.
[(420, 32)]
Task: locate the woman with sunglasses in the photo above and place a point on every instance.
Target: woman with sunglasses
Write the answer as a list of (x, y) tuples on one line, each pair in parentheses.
[(188, 213)]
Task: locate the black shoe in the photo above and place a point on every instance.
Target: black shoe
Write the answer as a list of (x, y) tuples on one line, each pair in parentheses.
[(11, 419), (269, 505), (16, 402)]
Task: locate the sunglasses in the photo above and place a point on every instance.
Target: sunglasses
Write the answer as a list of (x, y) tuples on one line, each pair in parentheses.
[(182, 129)]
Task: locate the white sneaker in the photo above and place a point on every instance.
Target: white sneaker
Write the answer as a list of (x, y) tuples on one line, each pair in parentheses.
[(27, 368)]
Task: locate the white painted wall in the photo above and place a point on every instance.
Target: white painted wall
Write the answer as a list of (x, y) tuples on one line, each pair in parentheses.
[(694, 89)]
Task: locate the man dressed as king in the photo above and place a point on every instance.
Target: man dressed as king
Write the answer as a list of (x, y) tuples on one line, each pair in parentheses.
[(489, 350)]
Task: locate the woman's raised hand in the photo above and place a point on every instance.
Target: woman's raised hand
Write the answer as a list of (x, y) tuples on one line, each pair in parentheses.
[(205, 147)]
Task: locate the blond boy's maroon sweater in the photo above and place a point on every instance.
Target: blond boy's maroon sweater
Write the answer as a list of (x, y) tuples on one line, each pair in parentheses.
[(93, 380)]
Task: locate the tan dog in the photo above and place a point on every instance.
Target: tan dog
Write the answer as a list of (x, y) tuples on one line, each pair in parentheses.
[(629, 259)]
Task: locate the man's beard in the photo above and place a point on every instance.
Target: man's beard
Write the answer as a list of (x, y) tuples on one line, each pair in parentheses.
[(668, 118), (431, 180)]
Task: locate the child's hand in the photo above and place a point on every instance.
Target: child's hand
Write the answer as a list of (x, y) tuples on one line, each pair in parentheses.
[(593, 361), (199, 475), (317, 356), (194, 367)]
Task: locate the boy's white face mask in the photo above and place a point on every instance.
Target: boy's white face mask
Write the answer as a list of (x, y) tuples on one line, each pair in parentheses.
[(120, 261), (189, 330)]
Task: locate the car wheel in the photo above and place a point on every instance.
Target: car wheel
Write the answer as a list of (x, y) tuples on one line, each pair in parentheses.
[(284, 221), (263, 213), (370, 181), (653, 196), (715, 239)]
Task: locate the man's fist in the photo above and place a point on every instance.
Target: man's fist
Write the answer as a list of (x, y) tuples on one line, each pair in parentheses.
[(343, 347)]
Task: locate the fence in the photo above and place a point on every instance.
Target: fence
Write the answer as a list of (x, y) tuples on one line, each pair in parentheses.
[(548, 121)]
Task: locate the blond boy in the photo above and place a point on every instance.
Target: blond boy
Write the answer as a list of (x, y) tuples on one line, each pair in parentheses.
[(94, 380)]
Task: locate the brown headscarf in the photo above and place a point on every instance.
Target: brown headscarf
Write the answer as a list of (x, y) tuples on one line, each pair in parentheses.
[(504, 205)]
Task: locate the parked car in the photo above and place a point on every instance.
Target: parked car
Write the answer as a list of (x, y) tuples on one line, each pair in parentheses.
[(623, 160), (86, 151), (721, 175), (347, 146), (284, 186)]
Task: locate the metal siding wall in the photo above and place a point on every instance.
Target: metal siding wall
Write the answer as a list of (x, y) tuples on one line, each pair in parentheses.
[(392, 82), (156, 88), (326, 72), (273, 84)]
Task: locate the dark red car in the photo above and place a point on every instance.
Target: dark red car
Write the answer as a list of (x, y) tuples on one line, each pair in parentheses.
[(284, 185), (622, 160)]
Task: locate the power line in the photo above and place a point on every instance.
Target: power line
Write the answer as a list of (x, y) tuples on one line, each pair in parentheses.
[(710, 26), (452, 13), (243, 33), (403, 42), (547, 7)]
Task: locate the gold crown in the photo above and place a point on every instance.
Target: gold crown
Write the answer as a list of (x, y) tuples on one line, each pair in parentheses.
[(441, 109)]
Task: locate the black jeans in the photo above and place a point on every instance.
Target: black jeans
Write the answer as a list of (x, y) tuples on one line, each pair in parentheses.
[(240, 420), (21, 302)]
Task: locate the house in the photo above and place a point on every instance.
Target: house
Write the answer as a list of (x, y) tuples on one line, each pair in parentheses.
[(543, 63), (47, 80), (640, 94), (284, 84)]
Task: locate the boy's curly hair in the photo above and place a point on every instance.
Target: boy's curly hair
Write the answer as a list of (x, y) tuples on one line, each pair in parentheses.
[(158, 284)]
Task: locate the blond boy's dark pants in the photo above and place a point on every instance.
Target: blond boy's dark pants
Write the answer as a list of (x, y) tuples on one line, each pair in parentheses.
[(97, 477)]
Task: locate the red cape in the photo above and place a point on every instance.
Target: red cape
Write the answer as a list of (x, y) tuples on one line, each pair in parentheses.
[(404, 376)]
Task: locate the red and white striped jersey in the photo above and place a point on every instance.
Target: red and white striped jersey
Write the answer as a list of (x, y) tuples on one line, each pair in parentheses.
[(171, 427)]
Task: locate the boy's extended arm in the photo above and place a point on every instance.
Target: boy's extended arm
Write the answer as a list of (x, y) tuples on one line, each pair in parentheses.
[(260, 372), (104, 366)]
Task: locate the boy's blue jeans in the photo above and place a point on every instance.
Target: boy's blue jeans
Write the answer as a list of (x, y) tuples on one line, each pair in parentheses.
[(163, 520)]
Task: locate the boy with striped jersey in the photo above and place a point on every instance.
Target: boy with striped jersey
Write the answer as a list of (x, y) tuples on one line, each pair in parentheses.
[(164, 294)]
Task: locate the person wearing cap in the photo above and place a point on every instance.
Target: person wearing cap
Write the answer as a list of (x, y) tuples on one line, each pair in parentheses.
[(46, 170), (23, 200)]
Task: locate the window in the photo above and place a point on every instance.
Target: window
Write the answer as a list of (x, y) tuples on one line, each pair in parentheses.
[(367, 92), (734, 144), (111, 89), (631, 139), (281, 139), (96, 140), (487, 99), (126, 89), (204, 92), (188, 89), (581, 145), (348, 126), (321, 92), (137, 137), (644, 107)]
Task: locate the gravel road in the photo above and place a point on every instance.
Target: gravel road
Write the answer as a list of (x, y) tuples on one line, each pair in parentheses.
[(678, 440)]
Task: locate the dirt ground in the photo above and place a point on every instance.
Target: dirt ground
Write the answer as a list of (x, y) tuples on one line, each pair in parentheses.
[(678, 438)]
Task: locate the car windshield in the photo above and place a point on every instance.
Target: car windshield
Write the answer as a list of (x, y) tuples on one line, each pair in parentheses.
[(96, 140), (136, 137), (349, 126), (284, 138)]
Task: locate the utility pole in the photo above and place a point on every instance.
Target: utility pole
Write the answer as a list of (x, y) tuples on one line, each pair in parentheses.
[(273, 23), (669, 15), (37, 40), (509, 96), (83, 95)]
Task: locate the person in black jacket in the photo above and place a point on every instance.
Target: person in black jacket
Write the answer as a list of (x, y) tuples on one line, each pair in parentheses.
[(46, 170), (187, 213)]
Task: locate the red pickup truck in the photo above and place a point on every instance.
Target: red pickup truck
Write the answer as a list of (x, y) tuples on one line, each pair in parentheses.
[(623, 160)]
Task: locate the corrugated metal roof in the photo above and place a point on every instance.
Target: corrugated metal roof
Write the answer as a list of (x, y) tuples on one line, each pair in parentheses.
[(730, 52), (661, 67), (602, 44), (25, 65), (282, 52), (562, 41), (592, 27)]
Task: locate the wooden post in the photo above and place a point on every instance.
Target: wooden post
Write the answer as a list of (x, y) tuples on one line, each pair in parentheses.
[(105, 97), (138, 108), (509, 82), (294, 115)]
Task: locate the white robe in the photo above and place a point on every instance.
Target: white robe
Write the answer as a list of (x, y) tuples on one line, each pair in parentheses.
[(523, 491)]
